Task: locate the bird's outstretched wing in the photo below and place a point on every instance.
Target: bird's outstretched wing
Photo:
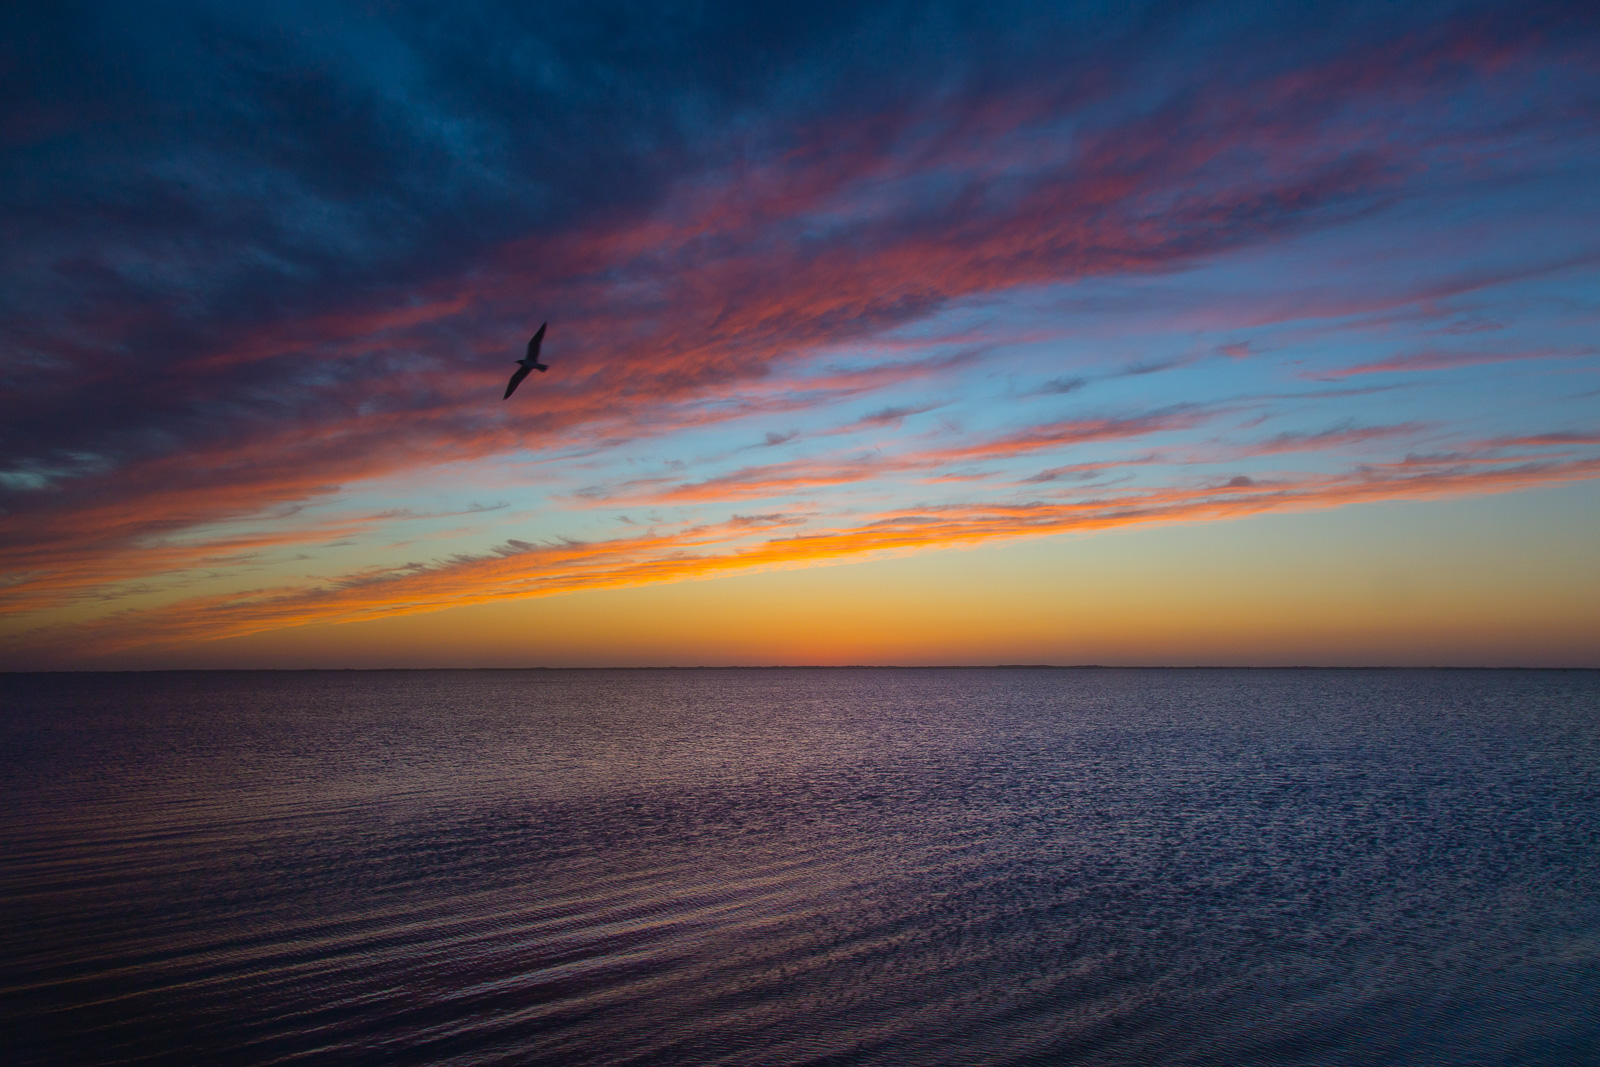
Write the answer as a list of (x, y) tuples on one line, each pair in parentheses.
[(534, 342), (516, 380)]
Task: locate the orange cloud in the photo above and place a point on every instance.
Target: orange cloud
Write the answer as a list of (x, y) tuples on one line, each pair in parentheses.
[(1444, 360)]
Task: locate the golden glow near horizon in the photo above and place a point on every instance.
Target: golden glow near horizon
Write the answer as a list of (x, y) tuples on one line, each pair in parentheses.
[(1455, 583), (1190, 355)]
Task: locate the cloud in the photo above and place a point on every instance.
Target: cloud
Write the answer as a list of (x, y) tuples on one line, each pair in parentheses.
[(766, 522), (889, 416), (810, 474), (774, 479), (1541, 440), (1337, 437), (1077, 432), (1085, 472), (1447, 360), (518, 568), (250, 269)]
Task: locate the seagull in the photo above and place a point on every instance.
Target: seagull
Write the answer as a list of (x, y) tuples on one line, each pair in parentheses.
[(528, 362)]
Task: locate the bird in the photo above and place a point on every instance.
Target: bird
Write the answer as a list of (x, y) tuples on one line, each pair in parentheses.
[(528, 362)]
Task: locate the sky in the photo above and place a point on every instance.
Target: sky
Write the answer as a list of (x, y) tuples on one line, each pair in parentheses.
[(1139, 333)]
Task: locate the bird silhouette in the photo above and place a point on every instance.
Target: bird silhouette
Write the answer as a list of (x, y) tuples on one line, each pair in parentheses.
[(528, 362)]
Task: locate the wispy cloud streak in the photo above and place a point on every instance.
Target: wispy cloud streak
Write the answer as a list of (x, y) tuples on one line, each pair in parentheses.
[(1448, 360), (255, 272), (521, 569)]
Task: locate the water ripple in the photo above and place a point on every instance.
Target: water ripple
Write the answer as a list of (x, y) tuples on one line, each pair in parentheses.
[(811, 867)]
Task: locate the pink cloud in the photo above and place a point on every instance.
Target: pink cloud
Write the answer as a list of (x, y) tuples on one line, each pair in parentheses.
[(688, 315)]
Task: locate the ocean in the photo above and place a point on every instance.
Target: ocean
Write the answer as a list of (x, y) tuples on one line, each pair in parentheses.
[(823, 866)]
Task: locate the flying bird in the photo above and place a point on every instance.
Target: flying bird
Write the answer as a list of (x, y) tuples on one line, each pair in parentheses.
[(528, 362)]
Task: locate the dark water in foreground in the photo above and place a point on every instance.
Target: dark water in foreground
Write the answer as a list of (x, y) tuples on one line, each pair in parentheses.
[(827, 867)]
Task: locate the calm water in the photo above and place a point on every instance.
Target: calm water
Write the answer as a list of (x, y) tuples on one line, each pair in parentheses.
[(784, 867)]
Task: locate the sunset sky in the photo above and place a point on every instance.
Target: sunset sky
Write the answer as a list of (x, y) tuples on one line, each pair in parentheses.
[(879, 333)]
